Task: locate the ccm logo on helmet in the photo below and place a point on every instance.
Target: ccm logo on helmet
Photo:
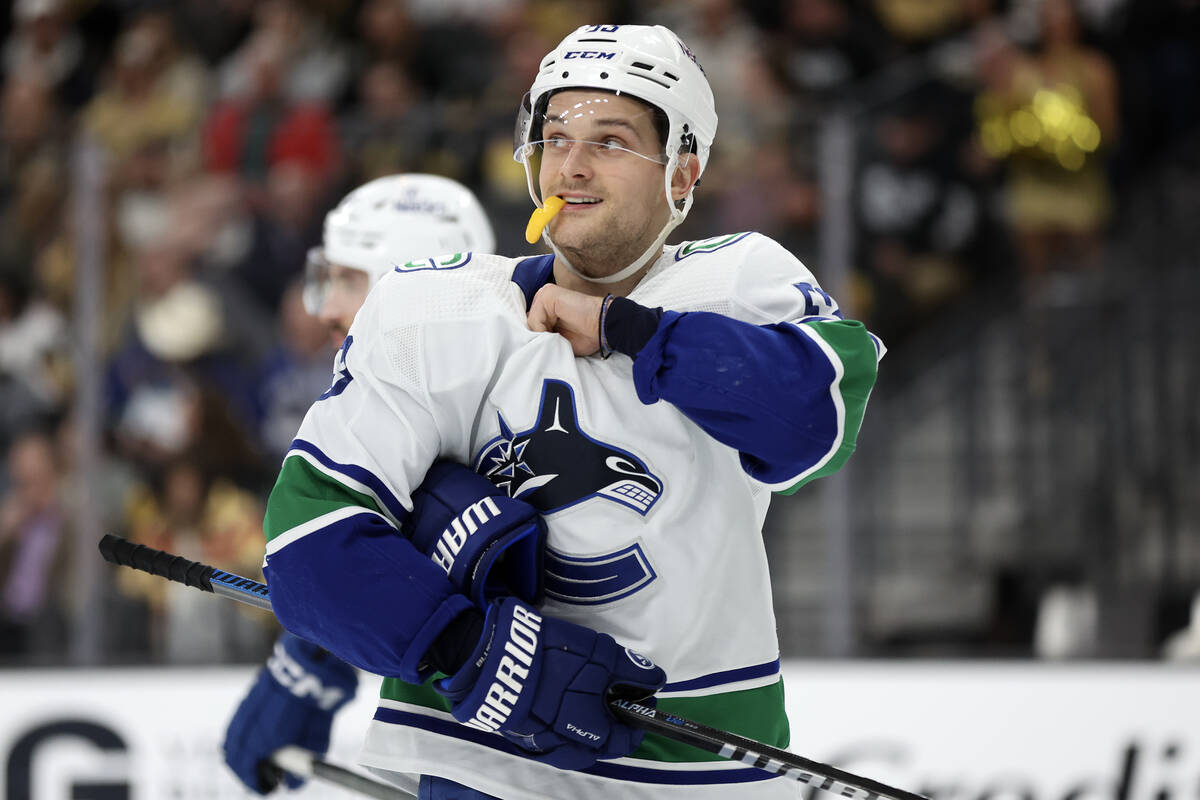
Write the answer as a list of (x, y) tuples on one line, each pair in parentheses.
[(589, 54)]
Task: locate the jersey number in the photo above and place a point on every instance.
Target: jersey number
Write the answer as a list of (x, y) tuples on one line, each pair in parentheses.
[(341, 373), (817, 303)]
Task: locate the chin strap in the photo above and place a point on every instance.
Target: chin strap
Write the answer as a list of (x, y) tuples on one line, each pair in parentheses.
[(650, 255)]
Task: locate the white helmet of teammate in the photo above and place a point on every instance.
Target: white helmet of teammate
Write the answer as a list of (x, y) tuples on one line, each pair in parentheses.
[(395, 219), (649, 63)]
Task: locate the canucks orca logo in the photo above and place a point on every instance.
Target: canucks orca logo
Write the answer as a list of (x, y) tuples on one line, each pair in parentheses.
[(554, 464)]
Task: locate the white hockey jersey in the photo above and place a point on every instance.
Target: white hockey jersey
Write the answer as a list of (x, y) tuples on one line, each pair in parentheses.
[(654, 525)]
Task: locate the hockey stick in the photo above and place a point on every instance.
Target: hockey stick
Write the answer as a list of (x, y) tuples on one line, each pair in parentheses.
[(299, 762), (307, 764), (670, 726)]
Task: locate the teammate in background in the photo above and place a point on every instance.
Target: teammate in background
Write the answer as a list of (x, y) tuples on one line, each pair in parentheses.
[(646, 400), (389, 219)]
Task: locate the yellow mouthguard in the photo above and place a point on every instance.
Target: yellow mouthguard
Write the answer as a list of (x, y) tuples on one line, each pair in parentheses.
[(541, 217)]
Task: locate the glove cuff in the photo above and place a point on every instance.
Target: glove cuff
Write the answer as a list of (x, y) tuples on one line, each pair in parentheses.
[(455, 645), (523, 553)]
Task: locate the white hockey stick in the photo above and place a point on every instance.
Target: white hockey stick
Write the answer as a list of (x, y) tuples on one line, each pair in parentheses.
[(670, 726)]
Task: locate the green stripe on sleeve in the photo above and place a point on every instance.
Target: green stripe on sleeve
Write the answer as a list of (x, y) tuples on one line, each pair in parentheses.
[(852, 344), (302, 493)]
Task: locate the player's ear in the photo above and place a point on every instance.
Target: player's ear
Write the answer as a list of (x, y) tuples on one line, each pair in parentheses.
[(687, 172)]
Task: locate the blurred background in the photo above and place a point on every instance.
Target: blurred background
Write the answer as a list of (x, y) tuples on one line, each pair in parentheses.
[(1007, 191)]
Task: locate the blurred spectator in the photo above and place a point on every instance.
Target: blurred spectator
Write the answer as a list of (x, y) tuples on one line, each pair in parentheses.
[(294, 374), (728, 47), (45, 48), (32, 157), (146, 119), (823, 46), (176, 383), (391, 130), (1052, 115), (918, 218), (504, 191), (1184, 645), (191, 513), (460, 78), (387, 31), (766, 195), (919, 22), (1067, 623), (817, 52), (285, 225), (314, 68), (248, 133), (214, 29), (55, 277), (34, 378), (33, 552), (211, 223), (431, 12), (178, 71)]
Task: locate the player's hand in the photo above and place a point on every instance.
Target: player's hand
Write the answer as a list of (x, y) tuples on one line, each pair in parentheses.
[(574, 315), (292, 702), (490, 544), (543, 684)]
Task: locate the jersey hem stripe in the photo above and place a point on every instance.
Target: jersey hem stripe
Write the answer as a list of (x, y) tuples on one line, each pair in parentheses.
[(629, 761), (722, 680), (699, 773)]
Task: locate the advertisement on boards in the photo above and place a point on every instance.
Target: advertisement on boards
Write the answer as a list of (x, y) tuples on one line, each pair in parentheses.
[(953, 731)]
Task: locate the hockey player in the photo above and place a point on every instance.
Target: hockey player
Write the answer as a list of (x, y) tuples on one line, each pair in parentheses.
[(382, 222), (389, 219), (645, 399)]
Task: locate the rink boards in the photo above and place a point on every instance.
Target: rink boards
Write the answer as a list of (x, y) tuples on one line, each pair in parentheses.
[(973, 731)]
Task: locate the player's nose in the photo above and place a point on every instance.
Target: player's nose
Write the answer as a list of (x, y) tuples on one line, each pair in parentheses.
[(577, 163)]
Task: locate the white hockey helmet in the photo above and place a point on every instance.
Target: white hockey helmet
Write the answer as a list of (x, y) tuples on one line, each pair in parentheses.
[(649, 63), (394, 219)]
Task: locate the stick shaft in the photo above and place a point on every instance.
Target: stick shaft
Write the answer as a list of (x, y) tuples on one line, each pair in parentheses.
[(670, 726), (756, 754), (306, 764)]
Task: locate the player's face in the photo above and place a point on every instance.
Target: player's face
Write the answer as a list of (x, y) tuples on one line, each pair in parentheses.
[(616, 204), (345, 293)]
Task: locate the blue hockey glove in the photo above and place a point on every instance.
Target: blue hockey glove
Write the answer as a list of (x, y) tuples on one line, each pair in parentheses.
[(490, 544), (292, 702), (544, 683)]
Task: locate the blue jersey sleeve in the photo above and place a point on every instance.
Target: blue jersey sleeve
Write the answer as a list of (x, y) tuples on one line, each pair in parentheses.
[(778, 374), (342, 576), (788, 396)]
